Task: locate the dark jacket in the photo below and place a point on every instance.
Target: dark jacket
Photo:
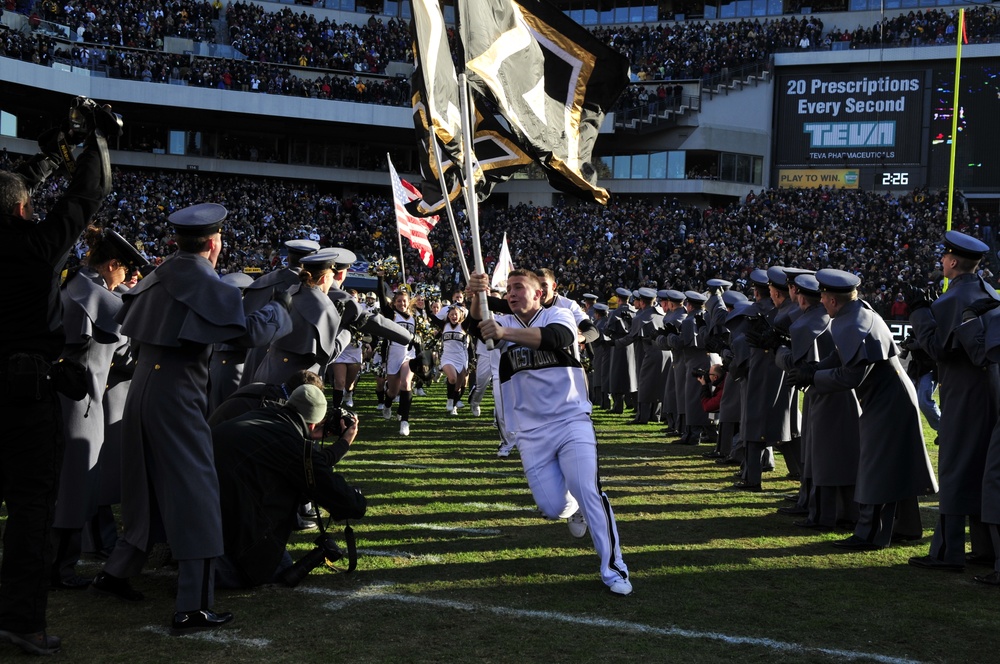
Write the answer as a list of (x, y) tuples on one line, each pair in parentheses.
[(266, 469)]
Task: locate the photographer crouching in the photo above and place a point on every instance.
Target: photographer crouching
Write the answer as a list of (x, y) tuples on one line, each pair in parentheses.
[(713, 384), (268, 464)]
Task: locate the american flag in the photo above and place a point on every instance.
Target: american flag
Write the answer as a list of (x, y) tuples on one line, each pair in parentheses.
[(414, 229)]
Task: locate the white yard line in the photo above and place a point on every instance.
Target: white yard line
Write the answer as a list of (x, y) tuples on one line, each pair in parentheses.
[(382, 593), (452, 529)]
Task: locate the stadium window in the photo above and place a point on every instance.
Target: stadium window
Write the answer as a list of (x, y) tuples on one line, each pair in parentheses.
[(605, 167), (728, 11), (640, 167), (650, 14), (390, 8), (758, 169), (775, 7), (176, 142), (676, 165), (742, 168), (623, 167), (658, 166), (759, 8), (727, 167)]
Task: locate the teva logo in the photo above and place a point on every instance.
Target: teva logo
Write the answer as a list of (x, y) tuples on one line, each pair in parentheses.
[(851, 134)]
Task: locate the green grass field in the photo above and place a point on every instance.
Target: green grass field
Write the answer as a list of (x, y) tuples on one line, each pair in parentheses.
[(457, 566)]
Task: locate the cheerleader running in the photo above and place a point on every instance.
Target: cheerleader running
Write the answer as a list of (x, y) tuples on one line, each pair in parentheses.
[(454, 355), (400, 378)]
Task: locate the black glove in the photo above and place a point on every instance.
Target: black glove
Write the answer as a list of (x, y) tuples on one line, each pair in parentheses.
[(802, 376), (772, 339), (918, 297), (699, 321), (716, 343), (283, 298), (979, 307)]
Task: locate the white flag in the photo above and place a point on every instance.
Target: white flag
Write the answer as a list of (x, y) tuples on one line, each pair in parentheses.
[(503, 267)]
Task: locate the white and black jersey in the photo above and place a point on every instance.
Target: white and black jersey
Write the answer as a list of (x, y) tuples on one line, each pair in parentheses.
[(541, 387), (455, 346), (398, 353)]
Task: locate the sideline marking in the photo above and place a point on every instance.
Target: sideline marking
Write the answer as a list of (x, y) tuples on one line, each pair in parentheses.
[(450, 529), (224, 637), (341, 599), (501, 506)]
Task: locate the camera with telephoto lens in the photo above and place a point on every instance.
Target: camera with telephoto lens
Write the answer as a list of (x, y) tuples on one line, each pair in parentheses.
[(699, 373), (331, 425), (86, 115), (325, 550)]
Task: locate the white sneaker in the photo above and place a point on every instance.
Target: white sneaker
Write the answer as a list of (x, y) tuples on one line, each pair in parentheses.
[(578, 527), (474, 410), (404, 428), (450, 406), (387, 412), (459, 404), (419, 392), (453, 411), (349, 401), (380, 406), (621, 587)]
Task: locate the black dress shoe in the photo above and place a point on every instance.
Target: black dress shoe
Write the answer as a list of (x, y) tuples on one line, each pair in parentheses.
[(899, 537), (928, 562), (767, 469), (105, 584), (713, 455), (189, 622), (36, 643), (979, 560), (806, 523), (71, 583), (793, 511), (743, 485), (728, 461), (991, 579), (855, 543)]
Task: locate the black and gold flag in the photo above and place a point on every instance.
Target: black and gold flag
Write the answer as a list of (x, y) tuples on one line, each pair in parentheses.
[(549, 78), (437, 115)]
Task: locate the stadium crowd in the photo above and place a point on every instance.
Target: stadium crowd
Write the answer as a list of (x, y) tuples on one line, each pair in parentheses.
[(888, 241), (276, 43)]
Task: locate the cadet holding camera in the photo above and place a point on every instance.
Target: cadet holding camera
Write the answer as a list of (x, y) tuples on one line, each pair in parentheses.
[(268, 464), (30, 341)]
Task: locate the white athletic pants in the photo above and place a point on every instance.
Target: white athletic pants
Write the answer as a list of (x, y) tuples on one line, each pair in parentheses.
[(560, 463)]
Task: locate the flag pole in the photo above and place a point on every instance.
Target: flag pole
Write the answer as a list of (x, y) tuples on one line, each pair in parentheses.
[(469, 191), (402, 265), (954, 122), (451, 213)]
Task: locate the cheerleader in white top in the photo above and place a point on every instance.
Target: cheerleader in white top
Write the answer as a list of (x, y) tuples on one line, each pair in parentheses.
[(547, 411), (397, 367), (454, 355)]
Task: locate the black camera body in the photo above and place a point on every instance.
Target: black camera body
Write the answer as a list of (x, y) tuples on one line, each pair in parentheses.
[(699, 373), (331, 425)]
